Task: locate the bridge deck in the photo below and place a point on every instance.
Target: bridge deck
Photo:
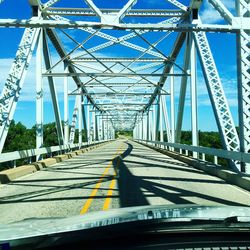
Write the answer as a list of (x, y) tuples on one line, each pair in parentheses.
[(89, 183)]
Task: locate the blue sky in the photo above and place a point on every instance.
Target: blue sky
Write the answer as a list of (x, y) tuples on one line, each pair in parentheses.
[(222, 46)]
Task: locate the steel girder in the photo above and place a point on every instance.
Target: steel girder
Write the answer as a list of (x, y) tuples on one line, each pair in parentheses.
[(120, 40), (217, 96), (39, 94), (62, 53), (73, 122), (166, 71), (67, 24), (243, 52), (131, 13), (216, 93), (178, 4), (183, 88), (53, 92), (14, 83)]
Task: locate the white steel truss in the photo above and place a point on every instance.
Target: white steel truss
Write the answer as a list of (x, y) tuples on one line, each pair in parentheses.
[(14, 83), (243, 52), (216, 93), (126, 91)]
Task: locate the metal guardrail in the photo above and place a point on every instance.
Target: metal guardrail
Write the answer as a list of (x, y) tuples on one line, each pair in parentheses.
[(17, 155), (232, 155)]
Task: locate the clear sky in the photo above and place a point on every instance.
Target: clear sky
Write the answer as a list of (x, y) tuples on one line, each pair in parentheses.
[(222, 46)]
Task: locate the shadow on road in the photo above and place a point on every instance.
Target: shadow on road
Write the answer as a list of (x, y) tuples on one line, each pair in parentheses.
[(134, 190), (128, 186)]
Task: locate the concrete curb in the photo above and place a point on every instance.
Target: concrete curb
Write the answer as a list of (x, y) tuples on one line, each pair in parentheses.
[(238, 179), (14, 173)]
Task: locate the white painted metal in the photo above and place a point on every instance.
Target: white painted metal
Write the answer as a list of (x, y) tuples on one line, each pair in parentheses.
[(79, 120), (131, 13), (22, 154), (69, 24), (183, 88), (172, 105), (66, 107), (166, 119), (39, 94), (145, 126), (88, 123), (73, 122), (103, 127), (193, 94), (216, 93), (121, 40), (126, 9), (53, 92), (221, 153), (178, 4), (224, 12), (49, 4), (161, 120), (157, 119), (93, 125), (94, 7), (96, 127), (243, 63), (153, 123), (14, 83)]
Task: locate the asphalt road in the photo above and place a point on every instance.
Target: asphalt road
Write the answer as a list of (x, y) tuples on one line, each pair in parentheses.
[(96, 181)]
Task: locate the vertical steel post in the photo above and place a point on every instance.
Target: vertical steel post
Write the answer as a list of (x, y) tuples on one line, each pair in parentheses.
[(193, 93), (80, 119), (66, 107), (166, 120), (243, 68), (103, 137), (94, 124), (73, 122), (182, 96), (138, 131), (15, 80), (39, 94), (96, 128), (172, 105), (161, 120), (52, 87), (142, 126), (83, 100), (147, 128), (157, 120), (88, 122), (108, 129), (153, 123)]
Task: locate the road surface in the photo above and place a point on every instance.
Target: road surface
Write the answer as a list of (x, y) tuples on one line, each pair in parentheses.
[(94, 181)]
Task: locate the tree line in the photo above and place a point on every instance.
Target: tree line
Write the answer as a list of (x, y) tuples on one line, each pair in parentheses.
[(21, 138)]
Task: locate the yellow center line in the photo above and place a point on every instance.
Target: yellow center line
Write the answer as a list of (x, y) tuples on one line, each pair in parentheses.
[(109, 194), (97, 186), (111, 189)]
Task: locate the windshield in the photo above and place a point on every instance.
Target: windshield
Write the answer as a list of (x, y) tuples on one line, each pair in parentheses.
[(107, 105)]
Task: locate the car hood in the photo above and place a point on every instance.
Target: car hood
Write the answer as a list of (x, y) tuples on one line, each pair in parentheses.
[(47, 226)]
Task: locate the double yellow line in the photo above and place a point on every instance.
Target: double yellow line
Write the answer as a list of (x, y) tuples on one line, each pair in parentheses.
[(98, 184)]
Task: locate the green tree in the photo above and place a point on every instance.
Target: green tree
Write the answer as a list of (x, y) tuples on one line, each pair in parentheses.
[(50, 135), (19, 138)]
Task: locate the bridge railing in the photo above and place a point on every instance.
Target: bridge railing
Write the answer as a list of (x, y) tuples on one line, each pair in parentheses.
[(185, 149), (29, 153)]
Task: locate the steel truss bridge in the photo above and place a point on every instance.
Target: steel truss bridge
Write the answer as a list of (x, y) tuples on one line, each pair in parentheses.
[(115, 61)]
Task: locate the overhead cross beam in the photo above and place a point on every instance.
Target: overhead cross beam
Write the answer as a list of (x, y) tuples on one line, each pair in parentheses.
[(62, 53)]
